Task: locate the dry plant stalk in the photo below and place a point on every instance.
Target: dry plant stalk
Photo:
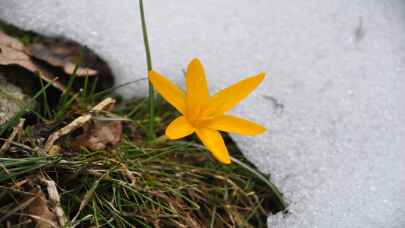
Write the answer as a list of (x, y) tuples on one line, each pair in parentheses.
[(16, 131), (54, 199), (104, 105)]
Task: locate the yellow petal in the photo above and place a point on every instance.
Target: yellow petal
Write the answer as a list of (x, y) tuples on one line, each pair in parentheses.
[(226, 99), (179, 128), (169, 91), (197, 88), (234, 124), (215, 144)]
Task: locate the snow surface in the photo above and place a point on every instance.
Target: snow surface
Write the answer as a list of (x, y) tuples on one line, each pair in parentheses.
[(332, 101)]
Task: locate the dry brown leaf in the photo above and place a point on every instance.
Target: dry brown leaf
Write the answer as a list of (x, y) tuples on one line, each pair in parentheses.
[(42, 52), (40, 212), (12, 52), (11, 42), (98, 135)]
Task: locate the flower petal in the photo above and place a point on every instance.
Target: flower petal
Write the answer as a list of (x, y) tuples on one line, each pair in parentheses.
[(197, 88), (179, 128), (215, 144), (169, 91), (234, 124), (227, 98)]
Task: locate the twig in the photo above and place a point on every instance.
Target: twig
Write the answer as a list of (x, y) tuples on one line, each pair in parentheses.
[(54, 198), (16, 130), (80, 121)]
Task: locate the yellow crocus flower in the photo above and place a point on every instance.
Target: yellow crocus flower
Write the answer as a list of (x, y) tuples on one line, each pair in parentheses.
[(205, 114)]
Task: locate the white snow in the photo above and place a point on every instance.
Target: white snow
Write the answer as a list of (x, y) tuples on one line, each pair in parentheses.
[(332, 101)]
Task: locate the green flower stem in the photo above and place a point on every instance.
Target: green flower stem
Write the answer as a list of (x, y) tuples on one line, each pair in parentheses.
[(151, 98)]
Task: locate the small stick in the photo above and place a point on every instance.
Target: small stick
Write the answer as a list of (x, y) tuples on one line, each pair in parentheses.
[(80, 121), (16, 130), (54, 197)]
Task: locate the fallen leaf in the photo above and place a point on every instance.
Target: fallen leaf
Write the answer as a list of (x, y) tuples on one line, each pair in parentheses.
[(42, 52), (40, 212), (12, 52), (99, 134), (11, 42)]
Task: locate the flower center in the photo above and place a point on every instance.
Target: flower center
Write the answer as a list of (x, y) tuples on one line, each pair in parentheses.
[(195, 117)]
